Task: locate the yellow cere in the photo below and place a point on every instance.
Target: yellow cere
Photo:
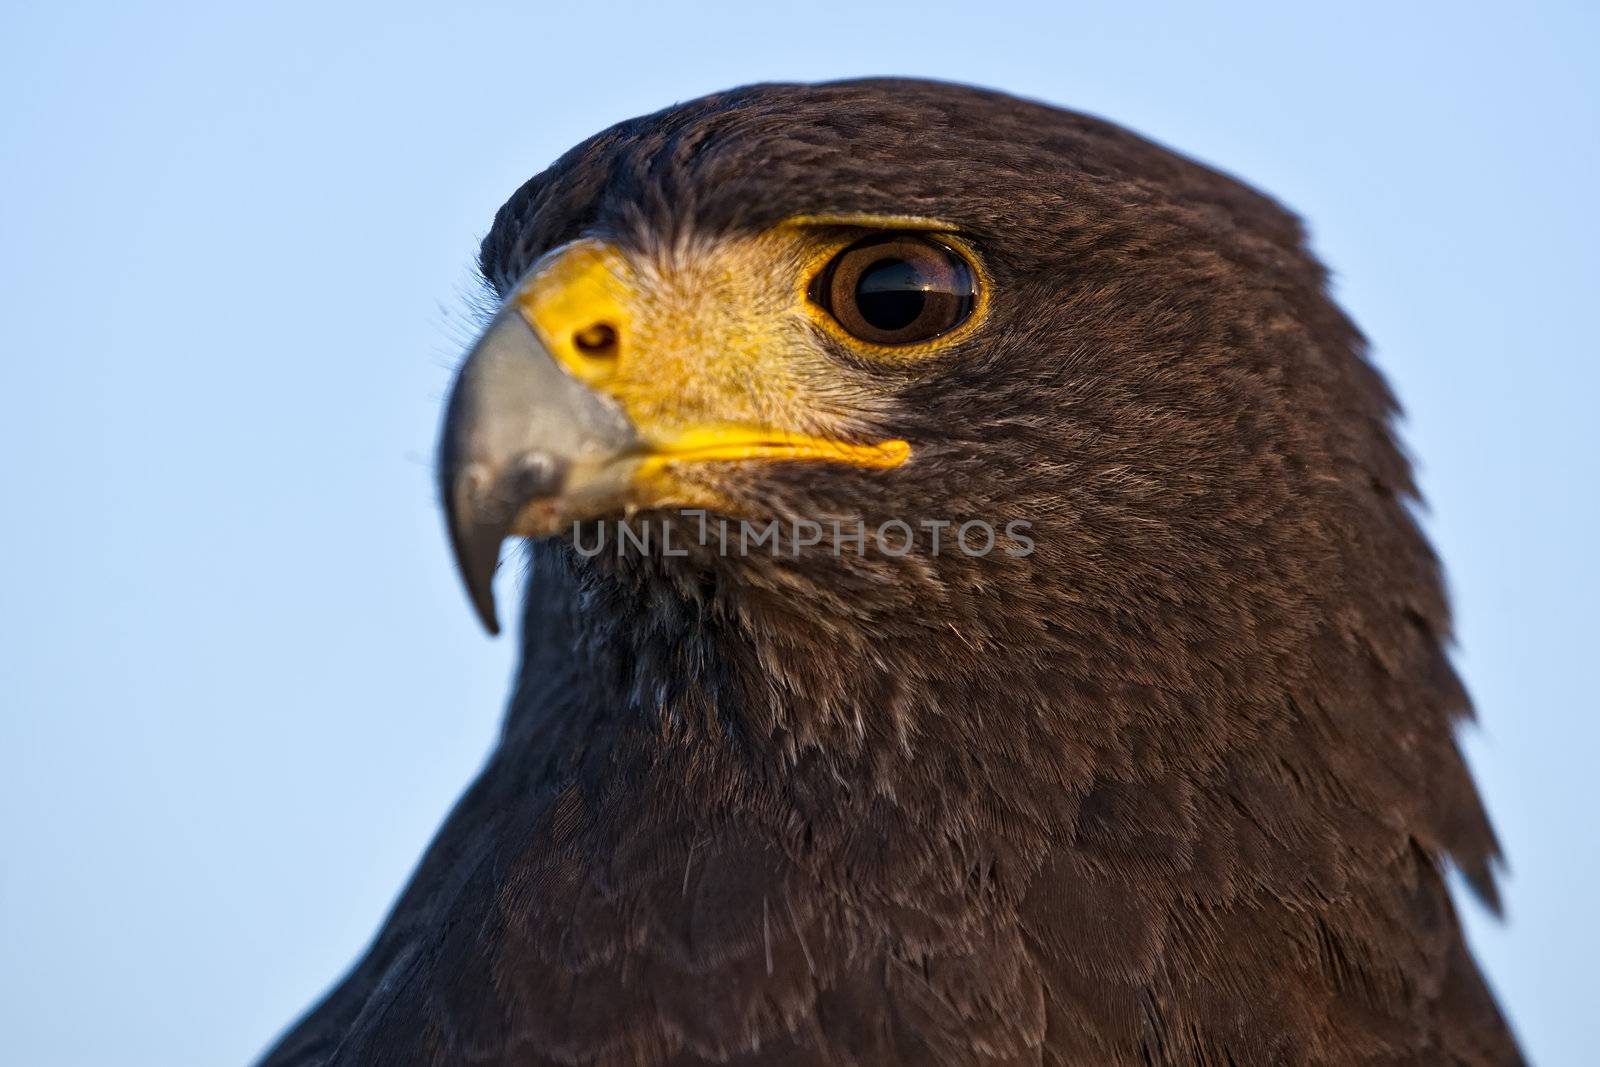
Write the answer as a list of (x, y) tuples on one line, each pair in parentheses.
[(572, 291)]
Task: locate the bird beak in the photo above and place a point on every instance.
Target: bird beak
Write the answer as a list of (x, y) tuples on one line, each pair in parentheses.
[(525, 449)]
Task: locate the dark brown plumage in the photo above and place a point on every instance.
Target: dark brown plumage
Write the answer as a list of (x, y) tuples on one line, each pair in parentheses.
[(1178, 788)]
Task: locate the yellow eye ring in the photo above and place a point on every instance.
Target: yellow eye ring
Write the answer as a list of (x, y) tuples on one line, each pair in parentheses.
[(897, 294), (897, 289)]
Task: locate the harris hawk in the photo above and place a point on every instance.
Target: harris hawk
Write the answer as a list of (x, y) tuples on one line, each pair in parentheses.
[(1157, 767)]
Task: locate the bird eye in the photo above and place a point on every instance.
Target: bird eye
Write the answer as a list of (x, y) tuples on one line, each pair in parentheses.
[(897, 289)]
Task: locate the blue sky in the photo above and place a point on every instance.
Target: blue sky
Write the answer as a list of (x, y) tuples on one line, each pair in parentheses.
[(239, 686)]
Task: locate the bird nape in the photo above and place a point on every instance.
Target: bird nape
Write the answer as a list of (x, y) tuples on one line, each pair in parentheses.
[(974, 616)]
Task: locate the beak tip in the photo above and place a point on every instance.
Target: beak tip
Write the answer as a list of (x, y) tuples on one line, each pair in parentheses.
[(475, 539), (479, 580), (486, 616), (477, 559)]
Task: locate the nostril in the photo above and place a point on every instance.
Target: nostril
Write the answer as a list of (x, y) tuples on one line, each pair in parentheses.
[(597, 340)]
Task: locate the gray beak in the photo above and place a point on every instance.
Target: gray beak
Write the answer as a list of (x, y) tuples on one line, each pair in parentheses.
[(525, 449)]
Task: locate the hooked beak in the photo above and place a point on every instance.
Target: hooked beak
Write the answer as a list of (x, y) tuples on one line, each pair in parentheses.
[(525, 449)]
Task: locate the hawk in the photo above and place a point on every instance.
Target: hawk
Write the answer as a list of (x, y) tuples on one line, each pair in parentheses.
[(974, 615)]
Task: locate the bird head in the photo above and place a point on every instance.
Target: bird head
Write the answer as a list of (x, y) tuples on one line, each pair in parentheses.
[(889, 305)]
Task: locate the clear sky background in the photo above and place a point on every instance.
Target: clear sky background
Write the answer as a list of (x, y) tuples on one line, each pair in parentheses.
[(239, 686)]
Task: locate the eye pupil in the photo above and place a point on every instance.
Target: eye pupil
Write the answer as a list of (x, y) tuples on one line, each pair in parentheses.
[(891, 294), (897, 289)]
